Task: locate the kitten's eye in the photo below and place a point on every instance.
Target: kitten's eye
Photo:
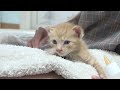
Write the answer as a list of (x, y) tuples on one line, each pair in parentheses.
[(66, 42), (54, 42)]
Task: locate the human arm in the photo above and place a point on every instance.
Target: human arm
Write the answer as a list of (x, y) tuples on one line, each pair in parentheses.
[(75, 19)]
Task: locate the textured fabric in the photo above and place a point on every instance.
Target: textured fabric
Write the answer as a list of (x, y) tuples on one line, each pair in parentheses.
[(18, 61), (102, 28), (117, 49), (51, 75)]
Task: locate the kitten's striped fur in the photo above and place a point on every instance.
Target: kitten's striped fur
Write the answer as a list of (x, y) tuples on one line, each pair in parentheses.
[(76, 49)]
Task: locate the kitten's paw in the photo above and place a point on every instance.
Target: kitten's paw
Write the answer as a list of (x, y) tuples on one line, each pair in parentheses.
[(103, 76)]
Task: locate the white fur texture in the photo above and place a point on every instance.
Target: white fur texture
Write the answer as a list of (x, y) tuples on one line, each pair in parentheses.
[(17, 61)]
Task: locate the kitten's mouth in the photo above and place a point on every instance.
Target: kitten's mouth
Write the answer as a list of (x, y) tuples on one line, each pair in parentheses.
[(61, 54)]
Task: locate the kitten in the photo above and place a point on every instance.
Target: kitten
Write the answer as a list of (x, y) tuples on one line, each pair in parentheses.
[(66, 41)]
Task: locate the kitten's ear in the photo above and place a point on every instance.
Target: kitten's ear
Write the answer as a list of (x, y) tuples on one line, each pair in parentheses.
[(78, 31)]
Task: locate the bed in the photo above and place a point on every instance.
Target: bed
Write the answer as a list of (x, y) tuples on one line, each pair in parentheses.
[(55, 69), (23, 34)]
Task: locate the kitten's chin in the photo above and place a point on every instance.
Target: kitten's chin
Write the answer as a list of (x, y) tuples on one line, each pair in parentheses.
[(61, 54)]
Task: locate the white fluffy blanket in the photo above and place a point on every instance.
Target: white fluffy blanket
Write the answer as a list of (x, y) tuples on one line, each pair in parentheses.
[(17, 61)]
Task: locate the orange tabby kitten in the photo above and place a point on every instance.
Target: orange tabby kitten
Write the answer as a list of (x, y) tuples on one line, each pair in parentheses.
[(66, 40)]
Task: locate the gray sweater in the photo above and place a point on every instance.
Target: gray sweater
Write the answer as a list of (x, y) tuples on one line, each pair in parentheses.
[(102, 28)]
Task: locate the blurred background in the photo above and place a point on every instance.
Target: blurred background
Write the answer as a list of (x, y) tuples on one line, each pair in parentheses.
[(31, 20)]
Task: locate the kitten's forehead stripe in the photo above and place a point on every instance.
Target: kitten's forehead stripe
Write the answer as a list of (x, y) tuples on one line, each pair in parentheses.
[(63, 31)]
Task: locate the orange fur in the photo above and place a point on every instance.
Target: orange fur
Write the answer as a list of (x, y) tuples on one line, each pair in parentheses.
[(76, 49)]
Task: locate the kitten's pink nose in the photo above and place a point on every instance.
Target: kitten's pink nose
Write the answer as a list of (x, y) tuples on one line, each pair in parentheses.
[(59, 50)]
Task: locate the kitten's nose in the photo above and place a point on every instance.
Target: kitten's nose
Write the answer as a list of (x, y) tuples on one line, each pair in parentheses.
[(59, 50)]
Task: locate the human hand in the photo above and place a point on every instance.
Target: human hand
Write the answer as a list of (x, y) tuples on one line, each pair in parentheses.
[(40, 37)]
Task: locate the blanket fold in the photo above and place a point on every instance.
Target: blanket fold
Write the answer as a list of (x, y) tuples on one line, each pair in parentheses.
[(17, 61)]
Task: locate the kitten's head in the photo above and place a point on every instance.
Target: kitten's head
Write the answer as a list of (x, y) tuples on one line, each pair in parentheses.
[(65, 38)]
